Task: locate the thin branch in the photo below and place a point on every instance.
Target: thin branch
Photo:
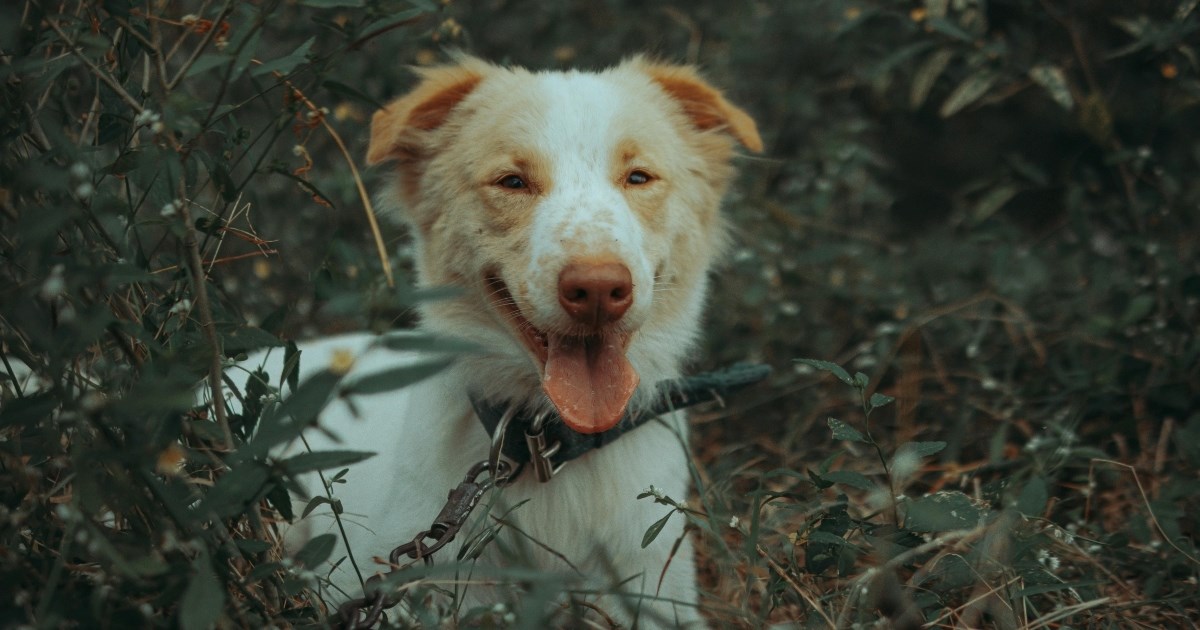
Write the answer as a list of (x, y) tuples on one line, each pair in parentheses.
[(96, 70), (208, 37), (801, 591), (204, 308), (358, 181), (1149, 509)]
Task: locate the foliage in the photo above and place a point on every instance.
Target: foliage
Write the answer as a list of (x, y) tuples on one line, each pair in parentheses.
[(985, 211)]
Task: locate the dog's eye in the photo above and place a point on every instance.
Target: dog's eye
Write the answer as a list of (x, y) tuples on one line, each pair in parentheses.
[(637, 178), (512, 182)]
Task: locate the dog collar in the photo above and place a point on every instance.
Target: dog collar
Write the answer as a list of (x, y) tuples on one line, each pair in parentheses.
[(543, 440)]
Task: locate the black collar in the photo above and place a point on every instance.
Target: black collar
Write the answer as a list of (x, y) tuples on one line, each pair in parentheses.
[(670, 396)]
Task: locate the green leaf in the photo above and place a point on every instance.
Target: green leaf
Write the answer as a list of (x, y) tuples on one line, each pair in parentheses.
[(967, 92), (826, 538), (333, 504), (293, 415), (826, 366), (246, 53), (993, 201), (825, 542), (247, 339), (28, 410), (1138, 308), (291, 367), (927, 75), (942, 512), (843, 431), (323, 460), (253, 546), (849, 478), (861, 380), (1052, 79), (395, 378), (235, 489), (946, 27), (204, 599), (819, 480), (880, 400), (317, 550), (206, 429), (280, 499), (287, 63), (207, 62), (921, 449), (410, 342), (654, 530), (1034, 495)]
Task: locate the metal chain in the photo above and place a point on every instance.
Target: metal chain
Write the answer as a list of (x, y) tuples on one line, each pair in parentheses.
[(364, 612)]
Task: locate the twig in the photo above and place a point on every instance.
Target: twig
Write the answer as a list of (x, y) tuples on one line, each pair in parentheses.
[(208, 37), (96, 70), (1145, 499), (804, 594), (861, 583), (1067, 611), (358, 182), (204, 308)]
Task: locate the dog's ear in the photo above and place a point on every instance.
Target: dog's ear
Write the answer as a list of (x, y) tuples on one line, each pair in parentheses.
[(395, 128), (701, 102)]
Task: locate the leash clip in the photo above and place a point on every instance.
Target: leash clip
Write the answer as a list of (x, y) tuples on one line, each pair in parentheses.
[(539, 453)]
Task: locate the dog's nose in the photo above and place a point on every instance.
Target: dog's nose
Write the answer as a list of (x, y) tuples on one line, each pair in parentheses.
[(595, 293)]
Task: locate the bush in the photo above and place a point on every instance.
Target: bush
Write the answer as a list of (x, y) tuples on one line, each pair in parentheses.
[(986, 211)]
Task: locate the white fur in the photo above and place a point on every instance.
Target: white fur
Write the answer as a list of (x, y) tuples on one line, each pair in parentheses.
[(426, 435)]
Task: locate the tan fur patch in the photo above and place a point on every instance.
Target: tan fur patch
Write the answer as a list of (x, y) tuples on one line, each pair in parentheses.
[(702, 103), (423, 109)]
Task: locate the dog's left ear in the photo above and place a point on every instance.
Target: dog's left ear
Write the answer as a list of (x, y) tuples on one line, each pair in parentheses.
[(702, 103), (396, 130)]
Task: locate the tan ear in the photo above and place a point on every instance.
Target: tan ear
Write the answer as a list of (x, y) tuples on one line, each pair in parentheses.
[(702, 103), (423, 109)]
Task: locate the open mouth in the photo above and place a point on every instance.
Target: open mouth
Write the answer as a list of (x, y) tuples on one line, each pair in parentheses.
[(586, 376)]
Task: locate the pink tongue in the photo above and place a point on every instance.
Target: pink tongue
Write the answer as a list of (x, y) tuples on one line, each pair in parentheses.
[(589, 380)]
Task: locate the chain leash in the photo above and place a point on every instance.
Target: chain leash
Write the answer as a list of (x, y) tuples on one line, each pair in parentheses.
[(364, 612)]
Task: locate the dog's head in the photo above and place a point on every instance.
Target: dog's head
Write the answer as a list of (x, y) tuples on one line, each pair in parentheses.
[(579, 213)]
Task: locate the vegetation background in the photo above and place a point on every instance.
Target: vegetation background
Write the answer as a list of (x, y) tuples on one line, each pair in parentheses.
[(985, 211)]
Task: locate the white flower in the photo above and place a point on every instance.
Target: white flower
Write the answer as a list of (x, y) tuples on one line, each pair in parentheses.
[(54, 285), (145, 117)]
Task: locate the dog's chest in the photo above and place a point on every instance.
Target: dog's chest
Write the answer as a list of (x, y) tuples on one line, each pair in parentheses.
[(426, 438)]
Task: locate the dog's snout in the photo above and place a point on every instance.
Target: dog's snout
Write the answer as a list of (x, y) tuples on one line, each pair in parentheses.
[(595, 294)]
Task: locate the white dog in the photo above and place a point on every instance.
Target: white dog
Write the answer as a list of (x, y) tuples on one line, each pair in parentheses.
[(578, 215)]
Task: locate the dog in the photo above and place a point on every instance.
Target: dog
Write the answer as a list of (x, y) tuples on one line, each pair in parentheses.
[(577, 214)]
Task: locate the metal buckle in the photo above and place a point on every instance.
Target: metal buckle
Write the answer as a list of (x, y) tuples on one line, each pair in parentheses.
[(539, 454)]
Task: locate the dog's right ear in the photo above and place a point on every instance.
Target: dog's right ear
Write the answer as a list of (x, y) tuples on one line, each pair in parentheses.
[(396, 129)]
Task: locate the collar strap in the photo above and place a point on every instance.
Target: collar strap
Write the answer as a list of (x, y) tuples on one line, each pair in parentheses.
[(522, 431)]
